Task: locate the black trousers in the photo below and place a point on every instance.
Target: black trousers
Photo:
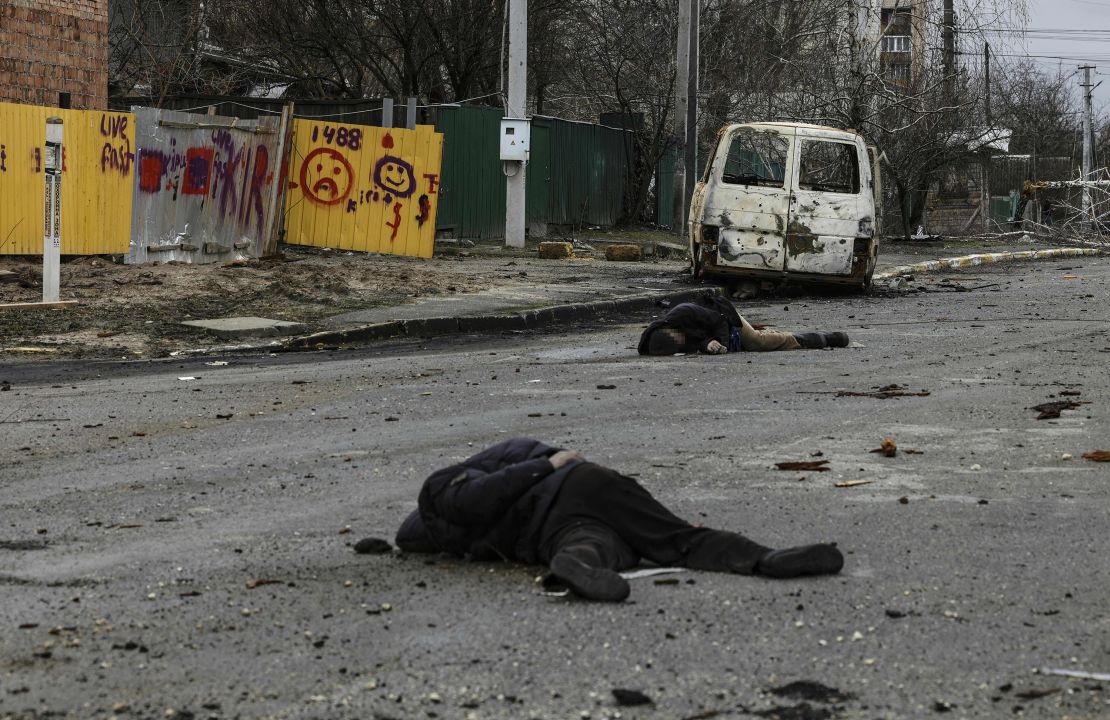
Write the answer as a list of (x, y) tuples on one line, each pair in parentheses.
[(608, 520)]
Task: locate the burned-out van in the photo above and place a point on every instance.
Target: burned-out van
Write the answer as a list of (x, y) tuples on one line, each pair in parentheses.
[(787, 202)]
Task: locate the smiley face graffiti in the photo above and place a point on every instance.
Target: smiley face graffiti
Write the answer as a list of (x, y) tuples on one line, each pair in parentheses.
[(326, 177), (395, 176)]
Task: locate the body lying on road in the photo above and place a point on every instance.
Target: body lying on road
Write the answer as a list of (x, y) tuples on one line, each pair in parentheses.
[(713, 326), (524, 500)]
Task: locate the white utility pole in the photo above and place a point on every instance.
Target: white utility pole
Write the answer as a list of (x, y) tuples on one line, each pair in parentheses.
[(52, 231), (686, 112), (516, 107), (1087, 160)]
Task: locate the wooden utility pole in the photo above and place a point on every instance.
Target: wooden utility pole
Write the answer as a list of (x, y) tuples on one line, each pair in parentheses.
[(686, 113)]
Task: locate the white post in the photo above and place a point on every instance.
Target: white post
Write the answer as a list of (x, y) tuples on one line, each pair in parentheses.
[(52, 231), (516, 107)]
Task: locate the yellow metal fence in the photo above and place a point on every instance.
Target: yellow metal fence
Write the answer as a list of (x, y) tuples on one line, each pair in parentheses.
[(355, 187), (98, 163), (349, 187)]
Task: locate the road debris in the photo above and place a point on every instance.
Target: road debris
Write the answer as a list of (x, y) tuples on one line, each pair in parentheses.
[(881, 393), (809, 690), (884, 393), (372, 546), (1097, 456), (623, 252), (630, 698), (1036, 694), (888, 448), (555, 250), (814, 465), (1050, 410), (252, 584), (852, 483), (1080, 674)]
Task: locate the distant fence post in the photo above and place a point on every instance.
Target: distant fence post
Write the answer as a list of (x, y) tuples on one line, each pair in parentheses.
[(387, 112), (410, 114)]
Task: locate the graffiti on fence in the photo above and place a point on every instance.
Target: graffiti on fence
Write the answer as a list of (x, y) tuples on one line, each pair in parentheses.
[(116, 154), (327, 179), (206, 178), (231, 173), (3, 158)]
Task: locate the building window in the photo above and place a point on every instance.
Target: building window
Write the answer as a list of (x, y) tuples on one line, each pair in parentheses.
[(898, 74), (896, 44)]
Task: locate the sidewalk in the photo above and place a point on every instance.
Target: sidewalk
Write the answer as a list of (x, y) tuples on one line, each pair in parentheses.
[(535, 306), (331, 298)]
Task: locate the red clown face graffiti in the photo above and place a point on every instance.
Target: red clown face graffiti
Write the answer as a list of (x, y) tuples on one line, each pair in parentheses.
[(395, 176), (326, 177)]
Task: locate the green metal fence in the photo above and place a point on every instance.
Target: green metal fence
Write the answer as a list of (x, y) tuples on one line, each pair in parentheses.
[(576, 173)]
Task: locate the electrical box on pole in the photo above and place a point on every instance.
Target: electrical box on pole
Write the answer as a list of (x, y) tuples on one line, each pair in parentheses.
[(515, 139)]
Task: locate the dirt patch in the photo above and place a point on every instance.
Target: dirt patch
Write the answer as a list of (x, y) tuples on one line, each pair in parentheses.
[(137, 310)]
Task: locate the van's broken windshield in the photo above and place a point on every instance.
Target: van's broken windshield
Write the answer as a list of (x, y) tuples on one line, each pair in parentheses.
[(756, 157)]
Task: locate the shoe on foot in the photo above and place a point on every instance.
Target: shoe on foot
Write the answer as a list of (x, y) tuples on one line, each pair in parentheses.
[(586, 581), (836, 339), (818, 559), (811, 340)]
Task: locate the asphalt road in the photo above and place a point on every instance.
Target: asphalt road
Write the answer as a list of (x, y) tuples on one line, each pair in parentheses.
[(140, 502)]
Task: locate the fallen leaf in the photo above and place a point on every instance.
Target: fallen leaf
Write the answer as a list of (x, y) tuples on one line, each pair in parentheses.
[(851, 483), (606, 387), (1070, 392), (224, 417), (1097, 456), (252, 584), (1069, 276), (815, 465)]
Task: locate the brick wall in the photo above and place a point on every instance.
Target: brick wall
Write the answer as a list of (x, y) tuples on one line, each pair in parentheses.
[(48, 47)]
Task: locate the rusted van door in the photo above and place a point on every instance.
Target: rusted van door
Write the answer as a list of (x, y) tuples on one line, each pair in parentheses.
[(747, 197), (829, 207)]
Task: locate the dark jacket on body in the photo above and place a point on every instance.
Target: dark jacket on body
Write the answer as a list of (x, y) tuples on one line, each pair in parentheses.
[(491, 505), (698, 323)]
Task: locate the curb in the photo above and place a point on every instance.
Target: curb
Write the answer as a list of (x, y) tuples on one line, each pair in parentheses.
[(529, 320), (560, 314), (981, 259)]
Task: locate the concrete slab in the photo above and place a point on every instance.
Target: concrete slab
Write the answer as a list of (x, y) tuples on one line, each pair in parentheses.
[(234, 327)]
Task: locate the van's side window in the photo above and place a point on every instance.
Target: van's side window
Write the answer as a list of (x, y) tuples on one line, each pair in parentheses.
[(756, 158), (828, 167)]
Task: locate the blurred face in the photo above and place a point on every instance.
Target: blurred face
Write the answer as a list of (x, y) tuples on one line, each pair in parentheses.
[(675, 335)]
